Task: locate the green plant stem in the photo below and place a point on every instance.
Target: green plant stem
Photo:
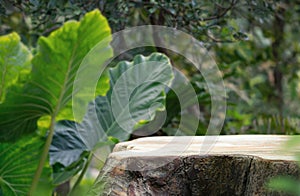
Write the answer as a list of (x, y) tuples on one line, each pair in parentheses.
[(43, 158), (86, 166)]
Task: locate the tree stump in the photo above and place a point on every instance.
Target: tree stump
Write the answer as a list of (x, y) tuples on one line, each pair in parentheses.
[(200, 165)]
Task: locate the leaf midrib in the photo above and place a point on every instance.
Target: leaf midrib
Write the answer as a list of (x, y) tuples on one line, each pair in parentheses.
[(62, 93)]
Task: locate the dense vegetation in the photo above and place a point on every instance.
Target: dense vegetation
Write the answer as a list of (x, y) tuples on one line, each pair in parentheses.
[(254, 43)]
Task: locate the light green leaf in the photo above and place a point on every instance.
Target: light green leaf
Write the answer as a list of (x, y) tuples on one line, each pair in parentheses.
[(54, 68), (18, 162), (14, 61), (135, 94)]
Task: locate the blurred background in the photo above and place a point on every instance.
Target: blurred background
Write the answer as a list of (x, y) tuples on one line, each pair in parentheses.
[(254, 43)]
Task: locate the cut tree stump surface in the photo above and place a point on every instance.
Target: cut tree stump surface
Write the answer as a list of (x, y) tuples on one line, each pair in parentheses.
[(197, 165)]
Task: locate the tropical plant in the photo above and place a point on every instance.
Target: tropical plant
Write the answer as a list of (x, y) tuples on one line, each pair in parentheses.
[(36, 91), (46, 90), (136, 93)]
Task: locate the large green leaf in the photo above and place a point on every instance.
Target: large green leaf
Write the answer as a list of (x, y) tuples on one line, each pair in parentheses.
[(18, 162), (54, 68), (136, 93), (14, 61)]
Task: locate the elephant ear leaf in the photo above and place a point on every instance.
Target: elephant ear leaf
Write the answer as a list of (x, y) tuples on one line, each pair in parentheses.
[(54, 67), (135, 94)]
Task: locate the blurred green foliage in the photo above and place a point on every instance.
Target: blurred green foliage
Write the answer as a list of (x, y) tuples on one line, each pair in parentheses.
[(263, 73), (255, 44)]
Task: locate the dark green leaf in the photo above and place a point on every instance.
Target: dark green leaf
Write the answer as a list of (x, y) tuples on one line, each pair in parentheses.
[(62, 174), (67, 145)]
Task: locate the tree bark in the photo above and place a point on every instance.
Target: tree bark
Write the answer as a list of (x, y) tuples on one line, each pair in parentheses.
[(234, 165)]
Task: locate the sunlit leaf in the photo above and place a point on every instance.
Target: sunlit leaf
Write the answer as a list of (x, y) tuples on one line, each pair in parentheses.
[(54, 68)]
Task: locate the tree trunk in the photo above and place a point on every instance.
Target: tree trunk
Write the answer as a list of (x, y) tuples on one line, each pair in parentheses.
[(277, 51), (235, 165)]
